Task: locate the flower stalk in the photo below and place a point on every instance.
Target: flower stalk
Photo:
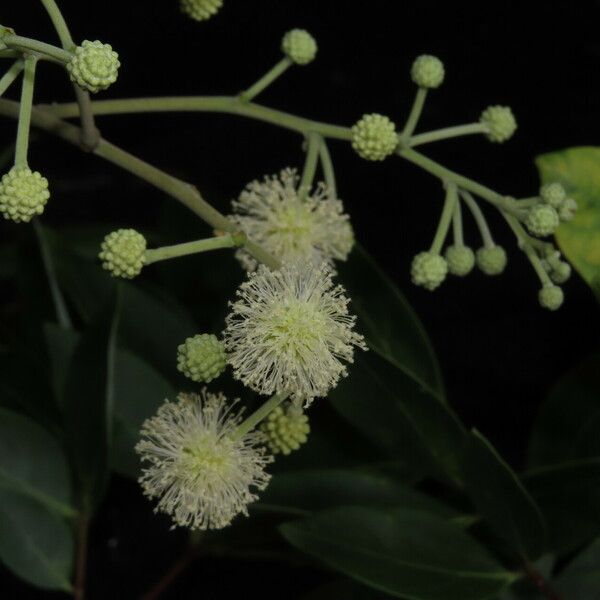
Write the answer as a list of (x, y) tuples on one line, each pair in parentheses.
[(168, 252)]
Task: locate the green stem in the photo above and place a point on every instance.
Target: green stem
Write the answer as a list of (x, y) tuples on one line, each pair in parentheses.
[(10, 75), (258, 415), (444, 225), (457, 226), (482, 225), (59, 24), (62, 313), (310, 164), (167, 252), (22, 143), (446, 133), (222, 104), (267, 79), (415, 113), (30, 46), (328, 170)]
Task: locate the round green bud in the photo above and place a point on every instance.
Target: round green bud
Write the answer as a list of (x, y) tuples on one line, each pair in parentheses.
[(299, 46), (491, 260), (427, 71), (460, 259), (94, 66), (560, 272), (428, 270), (23, 194), (123, 253), (553, 194), (201, 358), (567, 210), (285, 429), (542, 220), (551, 297), (374, 137), (499, 122), (200, 10)]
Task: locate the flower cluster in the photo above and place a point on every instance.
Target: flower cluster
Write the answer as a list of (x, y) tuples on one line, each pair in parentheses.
[(200, 10), (286, 429), (201, 358), (94, 66), (23, 194)]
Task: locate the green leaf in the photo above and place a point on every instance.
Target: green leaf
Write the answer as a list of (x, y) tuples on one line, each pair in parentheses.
[(577, 170), (389, 323), (35, 543), (407, 554), (89, 397), (581, 577), (569, 498), (311, 490), (139, 390), (401, 417), (61, 345), (568, 424), (502, 500), (33, 464)]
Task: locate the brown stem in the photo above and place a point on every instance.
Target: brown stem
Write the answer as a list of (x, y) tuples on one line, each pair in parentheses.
[(81, 559), (540, 583), (171, 575)]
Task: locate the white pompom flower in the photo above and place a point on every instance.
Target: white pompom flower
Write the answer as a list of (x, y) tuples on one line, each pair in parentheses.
[(272, 214), (202, 475), (289, 332)]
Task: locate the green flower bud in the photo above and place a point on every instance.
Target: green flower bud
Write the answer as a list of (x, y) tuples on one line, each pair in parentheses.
[(200, 10), (460, 259), (374, 137), (551, 297), (202, 357), (428, 270), (542, 220), (492, 260), (94, 66), (23, 194), (560, 272), (299, 46), (285, 429), (567, 210), (553, 194), (500, 123), (123, 253), (427, 71)]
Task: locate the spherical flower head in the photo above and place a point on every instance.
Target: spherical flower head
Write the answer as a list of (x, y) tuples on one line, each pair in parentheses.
[(200, 10), (553, 194), (374, 137), (94, 66), (560, 272), (427, 71), (313, 229), (202, 357), (123, 253), (542, 220), (491, 260), (299, 46), (499, 122), (428, 270), (23, 194), (551, 297), (460, 260), (197, 468), (568, 210), (286, 429), (289, 332)]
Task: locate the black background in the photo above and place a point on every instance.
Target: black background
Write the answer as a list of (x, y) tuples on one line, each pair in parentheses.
[(499, 351)]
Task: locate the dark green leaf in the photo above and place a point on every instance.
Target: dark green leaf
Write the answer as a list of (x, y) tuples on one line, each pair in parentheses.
[(310, 490), (89, 395), (502, 500), (139, 390), (569, 498), (401, 417), (408, 554), (568, 425), (61, 345), (35, 543), (581, 578)]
